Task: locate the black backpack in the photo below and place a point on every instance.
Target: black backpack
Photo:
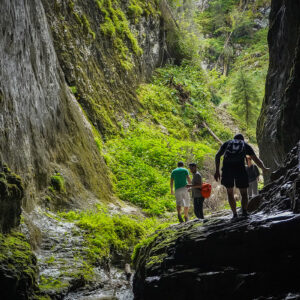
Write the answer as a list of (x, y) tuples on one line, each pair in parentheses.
[(235, 151)]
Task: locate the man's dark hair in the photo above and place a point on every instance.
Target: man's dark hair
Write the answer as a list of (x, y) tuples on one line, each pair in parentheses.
[(238, 137), (180, 164), (192, 165)]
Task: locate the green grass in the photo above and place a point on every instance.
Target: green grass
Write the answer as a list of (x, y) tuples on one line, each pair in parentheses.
[(106, 235), (169, 129)]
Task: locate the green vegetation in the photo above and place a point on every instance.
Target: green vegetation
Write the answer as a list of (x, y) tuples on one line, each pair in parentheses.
[(51, 284), (58, 183), (174, 107), (234, 38), (107, 234), (244, 98)]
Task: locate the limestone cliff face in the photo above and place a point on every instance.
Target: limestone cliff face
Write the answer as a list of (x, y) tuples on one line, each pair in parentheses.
[(279, 122), (46, 47)]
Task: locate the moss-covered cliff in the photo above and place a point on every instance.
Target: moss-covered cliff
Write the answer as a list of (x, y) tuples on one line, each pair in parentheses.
[(106, 48), (43, 128), (68, 80)]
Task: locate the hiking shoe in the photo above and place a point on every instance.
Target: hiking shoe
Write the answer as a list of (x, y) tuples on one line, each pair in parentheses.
[(186, 219), (180, 219), (245, 213), (234, 217)]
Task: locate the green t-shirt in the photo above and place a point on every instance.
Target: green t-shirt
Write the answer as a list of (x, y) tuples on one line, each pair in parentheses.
[(179, 176)]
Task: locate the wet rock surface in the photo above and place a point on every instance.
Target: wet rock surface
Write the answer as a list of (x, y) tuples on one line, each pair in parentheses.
[(42, 128), (246, 259), (283, 192), (249, 258), (64, 268), (279, 122)]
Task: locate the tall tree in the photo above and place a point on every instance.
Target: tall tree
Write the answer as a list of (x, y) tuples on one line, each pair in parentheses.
[(245, 99)]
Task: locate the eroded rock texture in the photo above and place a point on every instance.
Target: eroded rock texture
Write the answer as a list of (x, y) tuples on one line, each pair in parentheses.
[(279, 122), (42, 128), (251, 258)]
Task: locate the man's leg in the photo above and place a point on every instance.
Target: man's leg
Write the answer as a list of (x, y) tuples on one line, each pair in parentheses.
[(179, 213), (250, 190), (255, 188), (186, 213), (244, 195), (201, 200), (196, 207), (232, 203)]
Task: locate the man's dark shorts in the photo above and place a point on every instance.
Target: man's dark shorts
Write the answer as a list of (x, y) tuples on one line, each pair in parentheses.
[(234, 174)]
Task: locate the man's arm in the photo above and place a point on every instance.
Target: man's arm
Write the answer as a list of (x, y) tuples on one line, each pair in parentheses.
[(189, 179), (259, 162), (171, 186), (257, 172), (197, 185), (217, 160)]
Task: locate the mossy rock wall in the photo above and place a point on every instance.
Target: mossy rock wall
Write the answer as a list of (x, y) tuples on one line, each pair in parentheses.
[(106, 48), (69, 70), (43, 130)]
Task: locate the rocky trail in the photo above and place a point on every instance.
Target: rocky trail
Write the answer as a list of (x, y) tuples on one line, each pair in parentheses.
[(64, 273)]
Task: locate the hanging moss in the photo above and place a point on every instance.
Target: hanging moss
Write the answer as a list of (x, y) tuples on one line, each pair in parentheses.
[(117, 27)]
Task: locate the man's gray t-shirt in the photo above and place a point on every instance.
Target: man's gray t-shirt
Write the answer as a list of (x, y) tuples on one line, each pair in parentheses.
[(197, 180)]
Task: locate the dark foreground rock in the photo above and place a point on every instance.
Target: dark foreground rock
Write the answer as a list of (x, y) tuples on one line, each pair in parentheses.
[(250, 258), (11, 193), (18, 266)]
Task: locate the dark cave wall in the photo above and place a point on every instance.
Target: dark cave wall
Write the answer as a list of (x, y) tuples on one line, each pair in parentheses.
[(279, 122)]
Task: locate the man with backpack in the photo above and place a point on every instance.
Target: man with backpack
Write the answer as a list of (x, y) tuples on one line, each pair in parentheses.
[(181, 177), (196, 191), (234, 171)]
